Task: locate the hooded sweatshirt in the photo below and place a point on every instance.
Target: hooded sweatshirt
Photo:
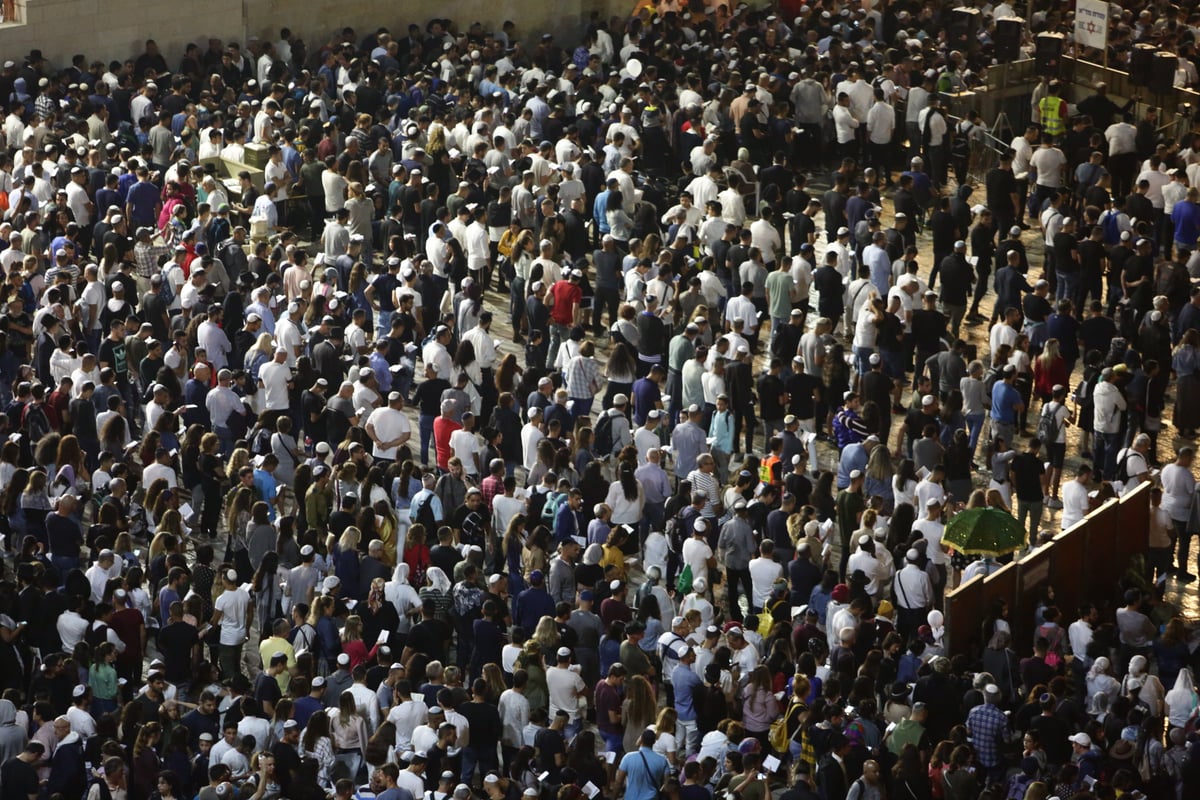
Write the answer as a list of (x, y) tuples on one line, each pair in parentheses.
[(12, 738)]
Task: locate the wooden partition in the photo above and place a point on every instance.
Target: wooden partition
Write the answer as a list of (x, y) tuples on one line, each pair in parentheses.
[(1034, 572), (1000, 585), (1132, 530), (1083, 563), (1072, 586), (965, 608)]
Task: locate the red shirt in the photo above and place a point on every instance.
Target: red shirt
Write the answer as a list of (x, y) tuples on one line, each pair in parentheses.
[(566, 299), (442, 428)]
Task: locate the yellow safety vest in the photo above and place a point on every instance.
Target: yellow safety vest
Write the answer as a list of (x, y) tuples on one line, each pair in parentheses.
[(1052, 121)]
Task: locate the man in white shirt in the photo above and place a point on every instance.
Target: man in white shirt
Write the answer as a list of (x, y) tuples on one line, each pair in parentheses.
[(931, 529), (273, 379), (1179, 492), (288, 335), (407, 714), (1122, 154), (565, 687), (845, 126), (1051, 165), (646, 438), (531, 434), (764, 571), (389, 428), (1081, 631), (881, 125), (1075, 497), (914, 594), (231, 614), (696, 552), (465, 445)]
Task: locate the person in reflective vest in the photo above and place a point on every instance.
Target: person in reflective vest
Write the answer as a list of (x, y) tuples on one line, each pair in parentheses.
[(1053, 110)]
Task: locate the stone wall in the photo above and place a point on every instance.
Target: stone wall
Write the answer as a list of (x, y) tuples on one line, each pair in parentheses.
[(108, 29)]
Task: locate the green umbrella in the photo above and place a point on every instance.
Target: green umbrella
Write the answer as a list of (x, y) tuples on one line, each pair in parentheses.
[(984, 532)]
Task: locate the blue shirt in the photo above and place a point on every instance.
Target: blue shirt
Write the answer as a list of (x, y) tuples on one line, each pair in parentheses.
[(305, 707), (265, 483), (1186, 218), (686, 683), (1004, 402), (599, 211), (646, 396), (854, 456), (642, 783), (143, 196), (721, 429)]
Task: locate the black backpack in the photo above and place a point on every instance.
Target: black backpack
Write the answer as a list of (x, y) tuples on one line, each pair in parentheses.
[(1123, 465), (604, 435), (261, 444), (425, 516)]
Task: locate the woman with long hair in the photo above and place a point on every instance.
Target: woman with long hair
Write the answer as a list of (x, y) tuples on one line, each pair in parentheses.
[(208, 467), (353, 644), (237, 517), (347, 561), (1049, 370), (638, 709), (114, 434), (535, 554), (348, 729), (879, 476), (327, 643), (621, 371), (146, 763), (626, 498), (665, 743), (69, 463), (416, 553), (759, 706), (264, 587), (508, 374), (317, 744), (530, 660), (619, 223), (512, 545), (380, 749), (466, 363)]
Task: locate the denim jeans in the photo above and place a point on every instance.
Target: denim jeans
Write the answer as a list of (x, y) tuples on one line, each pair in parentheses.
[(1032, 511), (425, 425), (862, 365), (485, 760), (974, 428), (353, 760), (64, 564), (1107, 446), (1068, 283)]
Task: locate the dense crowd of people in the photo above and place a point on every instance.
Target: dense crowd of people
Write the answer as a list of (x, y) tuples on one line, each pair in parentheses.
[(515, 420)]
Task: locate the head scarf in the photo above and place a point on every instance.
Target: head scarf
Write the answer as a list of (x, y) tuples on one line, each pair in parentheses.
[(375, 596), (593, 554), (1184, 682), (1099, 667), (1137, 666), (437, 579)]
